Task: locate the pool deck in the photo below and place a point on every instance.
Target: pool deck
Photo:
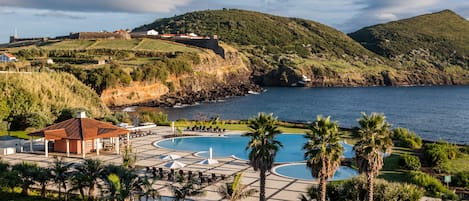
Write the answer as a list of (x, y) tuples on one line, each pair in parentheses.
[(277, 188)]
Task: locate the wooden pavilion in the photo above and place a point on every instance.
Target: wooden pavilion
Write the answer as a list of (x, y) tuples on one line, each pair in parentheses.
[(80, 135)]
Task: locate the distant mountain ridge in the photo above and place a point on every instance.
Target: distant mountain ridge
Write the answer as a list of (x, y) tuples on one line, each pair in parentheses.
[(444, 35)]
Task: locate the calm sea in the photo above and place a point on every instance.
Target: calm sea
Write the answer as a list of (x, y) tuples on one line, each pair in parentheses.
[(432, 112)]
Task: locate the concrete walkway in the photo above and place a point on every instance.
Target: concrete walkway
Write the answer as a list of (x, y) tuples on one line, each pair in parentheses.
[(277, 188)]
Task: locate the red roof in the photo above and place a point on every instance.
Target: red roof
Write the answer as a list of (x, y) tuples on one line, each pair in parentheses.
[(9, 55), (80, 129)]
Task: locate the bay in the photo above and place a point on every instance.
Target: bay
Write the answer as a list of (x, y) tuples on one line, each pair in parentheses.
[(435, 113)]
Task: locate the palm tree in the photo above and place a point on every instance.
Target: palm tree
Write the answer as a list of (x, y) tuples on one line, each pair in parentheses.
[(122, 183), (148, 190), (264, 147), (89, 172), (323, 151), (180, 192), (236, 190), (42, 177), (60, 174), (26, 173), (8, 178), (78, 182), (374, 142)]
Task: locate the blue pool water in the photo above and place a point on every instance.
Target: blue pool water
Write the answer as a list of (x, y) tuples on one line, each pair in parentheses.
[(300, 171), (234, 145)]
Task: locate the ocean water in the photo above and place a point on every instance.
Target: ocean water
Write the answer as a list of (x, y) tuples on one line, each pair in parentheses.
[(435, 113)]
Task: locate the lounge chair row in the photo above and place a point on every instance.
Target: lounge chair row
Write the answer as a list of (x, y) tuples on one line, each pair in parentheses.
[(206, 129), (182, 176)]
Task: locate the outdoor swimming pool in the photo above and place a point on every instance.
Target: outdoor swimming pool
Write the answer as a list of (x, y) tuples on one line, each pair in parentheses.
[(300, 171), (234, 145)]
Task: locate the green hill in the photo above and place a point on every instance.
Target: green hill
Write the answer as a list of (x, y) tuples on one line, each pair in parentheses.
[(274, 33), (282, 49), (44, 95), (439, 38)]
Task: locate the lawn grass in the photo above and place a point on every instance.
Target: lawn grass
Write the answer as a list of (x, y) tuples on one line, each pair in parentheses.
[(457, 165), (70, 44), (117, 44), (164, 46), (391, 170), (18, 134), (239, 127)]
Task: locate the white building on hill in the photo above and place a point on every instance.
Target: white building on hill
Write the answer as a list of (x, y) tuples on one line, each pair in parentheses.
[(7, 57)]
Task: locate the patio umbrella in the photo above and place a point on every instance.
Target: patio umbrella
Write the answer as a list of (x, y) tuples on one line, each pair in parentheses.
[(174, 165), (209, 160), (170, 157)]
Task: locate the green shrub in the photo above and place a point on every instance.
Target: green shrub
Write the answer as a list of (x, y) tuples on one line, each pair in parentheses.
[(432, 185), (68, 113), (406, 138), (29, 120), (436, 154), (356, 189), (461, 179), (160, 118), (410, 162)]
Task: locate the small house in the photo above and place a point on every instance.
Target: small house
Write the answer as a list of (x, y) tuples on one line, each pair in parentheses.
[(152, 33), (7, 57)]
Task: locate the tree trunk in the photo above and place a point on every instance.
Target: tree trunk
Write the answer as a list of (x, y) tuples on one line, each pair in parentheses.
[(60, 191), (82, 193), (323, 187), (24, 190), (262, 184), (43, 190), (91, 192), (370, 185)]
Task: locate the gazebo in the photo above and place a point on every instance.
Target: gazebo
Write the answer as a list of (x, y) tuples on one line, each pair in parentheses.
[(80, 135)]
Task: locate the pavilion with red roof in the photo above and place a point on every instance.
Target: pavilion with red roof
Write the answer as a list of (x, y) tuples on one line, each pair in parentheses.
[(80, 135)]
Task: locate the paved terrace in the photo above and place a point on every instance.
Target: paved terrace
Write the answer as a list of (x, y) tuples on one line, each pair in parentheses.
[(277, 188)]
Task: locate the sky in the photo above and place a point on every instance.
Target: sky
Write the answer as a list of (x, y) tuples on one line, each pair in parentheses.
[(38, 18)]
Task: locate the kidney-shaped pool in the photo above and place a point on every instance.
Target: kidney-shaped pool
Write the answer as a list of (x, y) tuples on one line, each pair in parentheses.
[(234, 146)]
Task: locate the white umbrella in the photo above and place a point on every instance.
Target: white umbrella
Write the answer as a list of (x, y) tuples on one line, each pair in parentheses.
[(209, 160), (174, 165), (170, 157)]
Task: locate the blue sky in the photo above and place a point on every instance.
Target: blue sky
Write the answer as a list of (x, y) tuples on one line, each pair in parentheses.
[(32, 18)]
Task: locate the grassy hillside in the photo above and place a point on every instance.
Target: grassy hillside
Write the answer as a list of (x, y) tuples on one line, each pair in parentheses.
[(273, 33), (134, 44), (45, 95), (441, 38)]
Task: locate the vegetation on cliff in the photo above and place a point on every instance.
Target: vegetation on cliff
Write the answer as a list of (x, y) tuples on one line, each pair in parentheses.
[(440, 39), (281, 50), (35, 99)]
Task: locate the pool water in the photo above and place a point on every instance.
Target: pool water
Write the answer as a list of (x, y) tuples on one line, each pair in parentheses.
[(234, 145), (301, 171)]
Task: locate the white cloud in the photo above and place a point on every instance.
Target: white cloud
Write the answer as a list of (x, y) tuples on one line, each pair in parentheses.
[(59, 14), (381, 11), (148, 6)]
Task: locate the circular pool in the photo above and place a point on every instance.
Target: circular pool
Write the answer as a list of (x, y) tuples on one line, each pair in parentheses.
[(234, 146), (301, 171)]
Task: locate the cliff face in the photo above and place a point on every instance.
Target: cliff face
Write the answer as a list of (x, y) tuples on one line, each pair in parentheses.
[(213, 78)]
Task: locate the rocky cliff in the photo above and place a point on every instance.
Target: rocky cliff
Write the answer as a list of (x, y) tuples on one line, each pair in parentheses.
[(213, 78)]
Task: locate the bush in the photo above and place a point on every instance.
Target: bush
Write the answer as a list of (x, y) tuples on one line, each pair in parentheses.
[(406, 138), (461, 179), (436, 154), (432, 185), (410, 162), (356, 189), (160, 118), (30, 120), (68, 113)]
